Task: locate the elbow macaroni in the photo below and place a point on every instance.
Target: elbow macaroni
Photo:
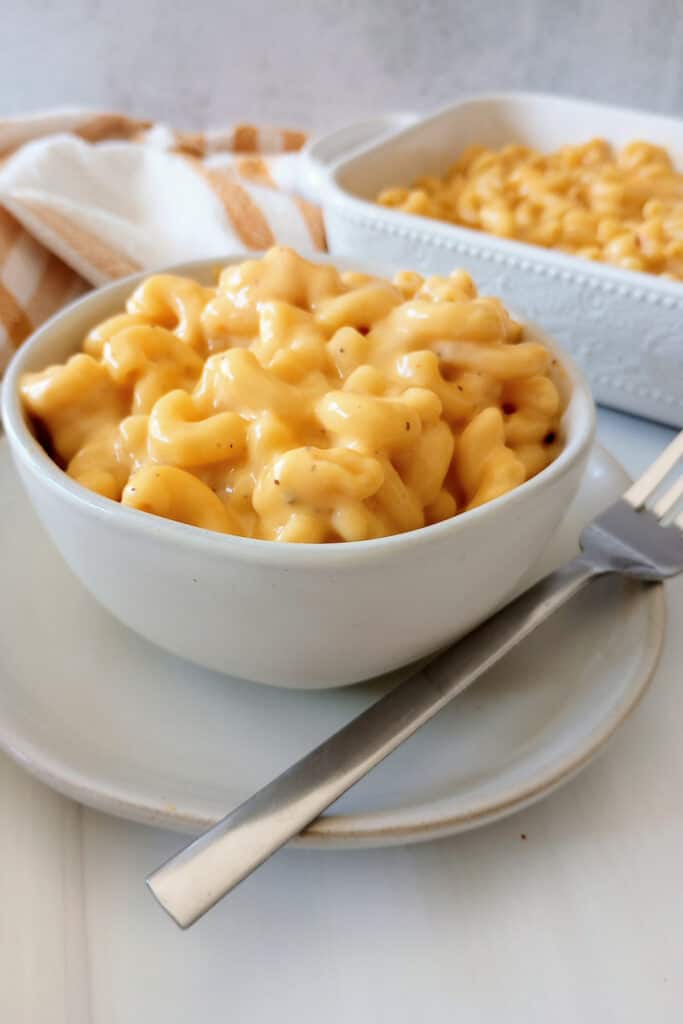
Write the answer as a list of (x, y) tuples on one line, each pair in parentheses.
[(294, 402), (623, 208)]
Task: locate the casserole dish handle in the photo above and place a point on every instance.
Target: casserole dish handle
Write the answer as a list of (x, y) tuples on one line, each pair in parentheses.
[(322, 153)]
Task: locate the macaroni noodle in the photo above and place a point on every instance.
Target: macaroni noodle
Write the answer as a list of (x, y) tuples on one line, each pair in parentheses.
[(295, 402), (622, 208)]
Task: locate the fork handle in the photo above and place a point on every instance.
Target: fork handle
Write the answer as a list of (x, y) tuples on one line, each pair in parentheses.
[(198, 876)]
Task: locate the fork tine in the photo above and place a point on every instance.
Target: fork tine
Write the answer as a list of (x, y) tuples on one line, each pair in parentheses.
[(669, 499), (641, 490)]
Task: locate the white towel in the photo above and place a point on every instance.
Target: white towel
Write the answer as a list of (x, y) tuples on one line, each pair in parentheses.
[(88, 197)]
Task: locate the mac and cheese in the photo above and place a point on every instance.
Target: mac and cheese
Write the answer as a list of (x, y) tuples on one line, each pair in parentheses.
[(623, 208), (295, 402)]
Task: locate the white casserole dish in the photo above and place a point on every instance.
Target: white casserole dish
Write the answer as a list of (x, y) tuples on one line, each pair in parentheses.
[(624, 328)]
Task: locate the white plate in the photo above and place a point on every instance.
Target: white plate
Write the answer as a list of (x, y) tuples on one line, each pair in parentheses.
[(101, 715)]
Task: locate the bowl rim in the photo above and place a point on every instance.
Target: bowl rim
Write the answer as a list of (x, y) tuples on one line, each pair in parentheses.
[(579, 417)]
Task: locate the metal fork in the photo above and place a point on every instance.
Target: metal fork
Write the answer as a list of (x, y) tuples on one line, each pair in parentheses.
[(640, 536)]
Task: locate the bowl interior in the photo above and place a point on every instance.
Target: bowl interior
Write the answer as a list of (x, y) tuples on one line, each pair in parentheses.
[(61, 336)]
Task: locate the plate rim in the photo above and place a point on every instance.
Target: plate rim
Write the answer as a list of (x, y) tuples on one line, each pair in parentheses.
[(324, 830), (347, 831)]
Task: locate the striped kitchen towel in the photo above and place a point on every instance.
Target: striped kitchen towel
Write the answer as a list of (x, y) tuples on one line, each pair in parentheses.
[(88, 197)]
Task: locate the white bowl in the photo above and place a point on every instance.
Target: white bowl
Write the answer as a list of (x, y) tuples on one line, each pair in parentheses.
[(297, 615)]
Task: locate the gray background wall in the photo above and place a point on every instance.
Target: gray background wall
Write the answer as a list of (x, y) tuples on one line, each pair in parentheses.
[(313, 64)]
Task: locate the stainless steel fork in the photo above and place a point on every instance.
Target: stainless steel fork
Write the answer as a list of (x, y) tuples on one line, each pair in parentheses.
[(640, 536)]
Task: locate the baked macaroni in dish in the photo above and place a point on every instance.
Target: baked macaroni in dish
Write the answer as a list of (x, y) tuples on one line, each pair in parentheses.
[(297, 402), (623, 208)]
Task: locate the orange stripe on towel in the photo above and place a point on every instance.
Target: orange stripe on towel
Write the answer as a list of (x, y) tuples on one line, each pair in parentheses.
[(255, 168), (314, 222), (13, 317), (110, 126), (292, 140), (245, 215), (190, 143), (109, 262), (10, 229), (245, 139)]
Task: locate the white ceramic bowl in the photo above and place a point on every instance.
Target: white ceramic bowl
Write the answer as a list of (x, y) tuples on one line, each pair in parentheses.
[(305, 615)]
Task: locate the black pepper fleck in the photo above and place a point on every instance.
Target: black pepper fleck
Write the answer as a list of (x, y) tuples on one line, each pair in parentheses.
[(407, 424), (549, 437)]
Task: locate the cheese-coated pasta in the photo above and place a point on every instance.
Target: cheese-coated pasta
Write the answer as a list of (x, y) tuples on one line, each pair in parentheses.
[(623, 208), (293, 402)]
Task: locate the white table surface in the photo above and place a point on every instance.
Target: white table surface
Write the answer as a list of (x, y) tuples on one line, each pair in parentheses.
[(580, 921)]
